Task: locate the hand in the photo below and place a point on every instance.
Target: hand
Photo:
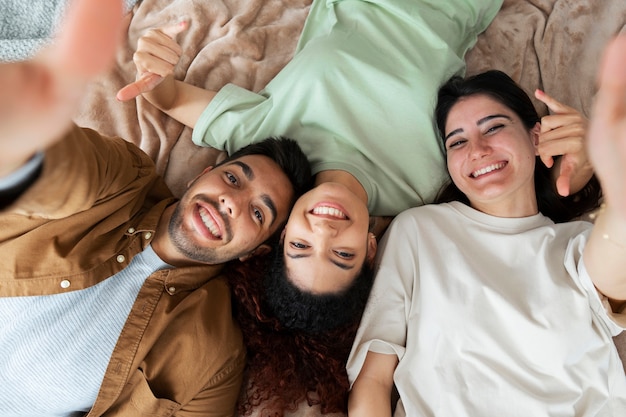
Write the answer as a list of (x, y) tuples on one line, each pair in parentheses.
[(607, 133), (156, 57), (563, 133), (38, 97)]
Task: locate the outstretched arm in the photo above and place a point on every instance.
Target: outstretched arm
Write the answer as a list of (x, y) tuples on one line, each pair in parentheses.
[(156, 57), (38, 97), (371, 391), (605, 254), (563, 133)]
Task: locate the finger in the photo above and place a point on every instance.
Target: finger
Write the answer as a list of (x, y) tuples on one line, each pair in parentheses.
[(156, 58), (567, 146), (144, 84), (553, 104), (563, 120), (565, 134), (89, 37), (547, 159), (172, 30), (564, 180)]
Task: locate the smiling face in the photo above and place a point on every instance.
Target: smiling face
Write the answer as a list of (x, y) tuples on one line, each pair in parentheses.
[(326, 239), (229, 211), (491, 156)]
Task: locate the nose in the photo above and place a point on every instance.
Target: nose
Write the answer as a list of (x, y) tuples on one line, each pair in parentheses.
[(230, 205), (326, 228), (479, 148)]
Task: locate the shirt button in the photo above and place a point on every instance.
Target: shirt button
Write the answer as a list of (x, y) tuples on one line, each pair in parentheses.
[(131, 230), (65, 284), (147, 236), (172, 290), (120, 258)]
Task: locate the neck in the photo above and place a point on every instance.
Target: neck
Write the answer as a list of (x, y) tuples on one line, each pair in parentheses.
[(512, 209), (344, 178)]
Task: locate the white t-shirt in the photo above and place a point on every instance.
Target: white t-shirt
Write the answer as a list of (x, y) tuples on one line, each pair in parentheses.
[(491, 317)]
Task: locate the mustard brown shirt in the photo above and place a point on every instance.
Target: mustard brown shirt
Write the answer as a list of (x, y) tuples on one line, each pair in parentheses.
[(93, 208)]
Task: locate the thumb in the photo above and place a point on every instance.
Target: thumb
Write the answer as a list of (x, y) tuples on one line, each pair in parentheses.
[(176, 28), (564, 179), (144, 84)]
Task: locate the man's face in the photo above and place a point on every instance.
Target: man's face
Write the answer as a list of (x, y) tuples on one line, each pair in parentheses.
[(230, 210)]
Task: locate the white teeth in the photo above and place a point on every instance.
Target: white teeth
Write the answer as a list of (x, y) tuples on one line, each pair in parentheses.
[(329, 211), (208, 222), (488, 169)]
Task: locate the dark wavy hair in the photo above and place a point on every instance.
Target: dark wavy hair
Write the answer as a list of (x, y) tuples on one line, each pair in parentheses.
[(500, 87), (285, 367)]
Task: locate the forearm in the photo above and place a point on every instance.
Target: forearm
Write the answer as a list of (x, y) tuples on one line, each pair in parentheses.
[(368, 398), (371, 391), (605, 253), (179, 100)]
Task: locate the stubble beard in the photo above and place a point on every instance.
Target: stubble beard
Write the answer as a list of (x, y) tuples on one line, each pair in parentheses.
[(190, 250)]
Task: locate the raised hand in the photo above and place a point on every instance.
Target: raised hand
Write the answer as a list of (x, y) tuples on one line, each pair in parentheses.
[(607, 133), (605, 253), (38, 97), (563, 133), (156, 57)]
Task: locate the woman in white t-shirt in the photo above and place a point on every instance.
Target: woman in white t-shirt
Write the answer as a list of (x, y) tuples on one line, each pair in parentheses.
[(483, 306)]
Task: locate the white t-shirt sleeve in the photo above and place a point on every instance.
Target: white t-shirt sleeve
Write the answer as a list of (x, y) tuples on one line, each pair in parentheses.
[(383, 327), (614, 323)]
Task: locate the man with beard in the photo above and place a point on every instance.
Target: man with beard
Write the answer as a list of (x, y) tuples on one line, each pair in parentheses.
[(111, 300)]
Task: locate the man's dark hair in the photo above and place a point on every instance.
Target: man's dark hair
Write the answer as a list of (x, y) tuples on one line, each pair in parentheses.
[(311, 313), (288, 156), (292, 161), (503, 89)]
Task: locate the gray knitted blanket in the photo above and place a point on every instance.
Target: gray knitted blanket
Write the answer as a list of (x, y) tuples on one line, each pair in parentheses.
[(27, 25)]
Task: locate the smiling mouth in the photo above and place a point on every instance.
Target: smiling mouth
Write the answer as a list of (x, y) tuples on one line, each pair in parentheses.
[(331, 212), (487, 169), (209, 223)]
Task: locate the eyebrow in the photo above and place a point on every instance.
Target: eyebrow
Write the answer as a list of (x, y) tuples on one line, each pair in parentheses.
[(267, 200), (247, 171), (341, 265), (480, 122)]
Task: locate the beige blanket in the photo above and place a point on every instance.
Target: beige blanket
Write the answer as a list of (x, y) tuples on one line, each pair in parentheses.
[(550, 44)]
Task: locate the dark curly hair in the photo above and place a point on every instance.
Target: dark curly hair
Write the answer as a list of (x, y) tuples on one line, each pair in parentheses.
[(286, 367), (314, 313), (502, 88)]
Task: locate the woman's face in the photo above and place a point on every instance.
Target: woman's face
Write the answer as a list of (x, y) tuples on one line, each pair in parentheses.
[(326, 239), (491, 156)]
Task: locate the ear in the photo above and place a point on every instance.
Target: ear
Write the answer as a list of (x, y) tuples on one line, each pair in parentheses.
[(372, 247), (263, 249), (534, 135), (204, 171)]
